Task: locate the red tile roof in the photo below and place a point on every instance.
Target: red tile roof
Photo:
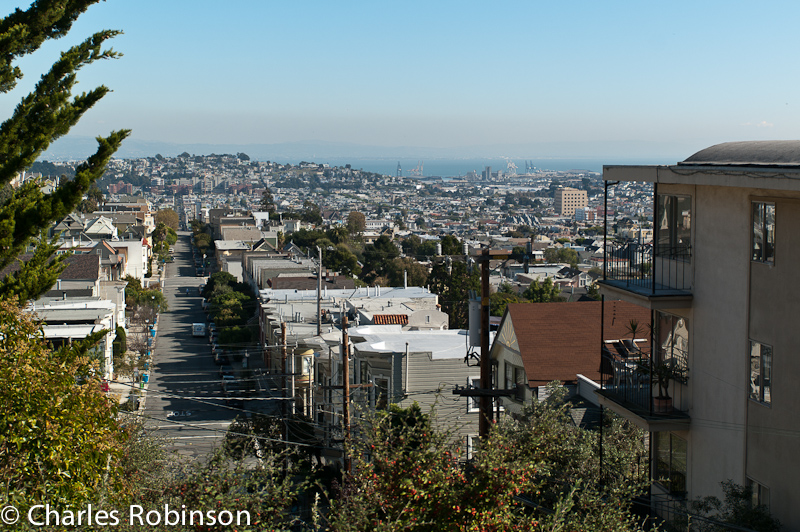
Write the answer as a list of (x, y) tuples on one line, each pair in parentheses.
[(559, 340), (390, 319)]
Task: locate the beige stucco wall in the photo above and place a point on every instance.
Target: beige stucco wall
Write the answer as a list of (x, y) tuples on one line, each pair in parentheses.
[(718, 334), (772, 430)]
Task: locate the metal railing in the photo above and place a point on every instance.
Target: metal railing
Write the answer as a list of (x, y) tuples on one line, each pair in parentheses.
[(637, 265), (628, 379), (631, 380)]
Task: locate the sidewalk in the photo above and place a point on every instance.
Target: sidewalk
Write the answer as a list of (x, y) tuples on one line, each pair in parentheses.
[(124, 388)]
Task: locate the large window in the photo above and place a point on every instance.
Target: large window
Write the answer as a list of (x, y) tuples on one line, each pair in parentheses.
[(672, 335), (760, 372), (670, 462), (763, 231), (674, 229)]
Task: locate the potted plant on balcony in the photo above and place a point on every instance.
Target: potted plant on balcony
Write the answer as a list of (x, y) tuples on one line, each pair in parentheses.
[(663, 373)]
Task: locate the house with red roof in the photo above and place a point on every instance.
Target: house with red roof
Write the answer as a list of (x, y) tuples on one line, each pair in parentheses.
[(538, 343)]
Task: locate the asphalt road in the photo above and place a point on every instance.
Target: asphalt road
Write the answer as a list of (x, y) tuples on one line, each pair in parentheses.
[(184, 397)]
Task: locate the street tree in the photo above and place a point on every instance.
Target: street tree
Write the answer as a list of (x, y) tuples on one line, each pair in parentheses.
[(41, 117), (356, 222), (169, 218)]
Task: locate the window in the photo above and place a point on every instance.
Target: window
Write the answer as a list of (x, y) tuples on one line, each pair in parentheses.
[(674, 229), (760, 372), (760, 493), (381, 393), (670, 462), (672, 337), (515, 380), (763, 231), (472, 443), (474, 404)]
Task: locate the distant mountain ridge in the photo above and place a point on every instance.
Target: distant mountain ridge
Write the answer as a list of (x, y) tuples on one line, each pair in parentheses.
[(77, 147)]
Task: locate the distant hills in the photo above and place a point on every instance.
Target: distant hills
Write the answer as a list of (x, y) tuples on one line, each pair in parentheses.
[(77, 147)]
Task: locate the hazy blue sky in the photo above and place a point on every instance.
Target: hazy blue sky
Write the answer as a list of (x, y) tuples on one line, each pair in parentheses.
[(669, 77)]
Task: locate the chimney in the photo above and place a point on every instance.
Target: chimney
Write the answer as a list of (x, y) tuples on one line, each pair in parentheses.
[(405, 278)]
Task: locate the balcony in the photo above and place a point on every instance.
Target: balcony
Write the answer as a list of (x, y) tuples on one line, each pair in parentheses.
[(629, 386), (657, 281)]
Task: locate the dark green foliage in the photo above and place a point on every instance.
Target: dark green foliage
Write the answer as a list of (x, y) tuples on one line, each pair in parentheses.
[(544, 292), (377, 257), (342, 260), (564, 255), (40, 118), (36, 274), (500, 300), (737, 509), (453, 284), (451, 245), (397, 270), (120, 342)]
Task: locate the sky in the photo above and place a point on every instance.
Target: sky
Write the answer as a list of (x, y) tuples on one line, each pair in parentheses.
[(654, 79)]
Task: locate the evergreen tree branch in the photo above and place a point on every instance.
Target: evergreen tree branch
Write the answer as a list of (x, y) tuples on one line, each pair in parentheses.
[(23, 32), (46, 114)]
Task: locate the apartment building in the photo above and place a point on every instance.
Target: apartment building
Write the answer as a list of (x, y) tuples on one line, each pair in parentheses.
[(567, 199), (718, 280)]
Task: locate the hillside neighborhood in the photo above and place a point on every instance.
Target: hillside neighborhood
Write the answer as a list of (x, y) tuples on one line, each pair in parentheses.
[(470, 297)]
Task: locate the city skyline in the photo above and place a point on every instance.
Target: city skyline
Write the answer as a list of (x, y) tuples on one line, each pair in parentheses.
[(517, 79)]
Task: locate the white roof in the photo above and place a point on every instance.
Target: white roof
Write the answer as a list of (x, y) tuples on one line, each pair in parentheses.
[(441, 345)]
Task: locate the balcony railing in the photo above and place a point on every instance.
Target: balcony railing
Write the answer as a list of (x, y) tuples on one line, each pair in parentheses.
[(634, 265), (630, 380)]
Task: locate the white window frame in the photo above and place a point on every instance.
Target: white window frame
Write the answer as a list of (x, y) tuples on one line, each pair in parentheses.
[(473, 402)]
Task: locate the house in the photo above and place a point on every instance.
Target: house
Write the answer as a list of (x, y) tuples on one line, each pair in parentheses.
[(544, 342), (723, 302), (404, 367)]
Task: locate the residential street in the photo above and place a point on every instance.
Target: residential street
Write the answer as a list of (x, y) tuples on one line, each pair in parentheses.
[(184, 396)]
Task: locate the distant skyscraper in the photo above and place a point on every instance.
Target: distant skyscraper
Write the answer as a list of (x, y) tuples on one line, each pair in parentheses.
[(487, 174), (399, 170)]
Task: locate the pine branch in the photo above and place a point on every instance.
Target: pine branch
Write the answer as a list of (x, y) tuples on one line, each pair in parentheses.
[(46, 114), (23, 32)]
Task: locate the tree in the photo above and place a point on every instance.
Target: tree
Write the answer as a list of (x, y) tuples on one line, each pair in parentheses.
[(94, 198), (169, 218), (356, 222), (60, 441), (377, 257), (341, 259), (451, 245), (500, 300), (311, 213), (537, 471), (401, 268), (544, 292), (453, 283), (565, 255), (267, 201), (41, 117)]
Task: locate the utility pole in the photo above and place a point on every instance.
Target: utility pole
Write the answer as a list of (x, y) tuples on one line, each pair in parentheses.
[(319, 293), (485, 402), (283, 387), (346, 394)]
